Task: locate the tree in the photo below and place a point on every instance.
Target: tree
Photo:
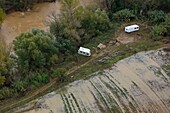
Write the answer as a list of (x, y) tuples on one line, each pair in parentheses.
[(64, 39), (2, 16), (161, 5), (68, 9), (95, 23), (69, 17), (5, 63), (34, 49)]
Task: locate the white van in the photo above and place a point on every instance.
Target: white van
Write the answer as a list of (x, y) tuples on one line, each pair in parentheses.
[(84, 51), (131, 28)]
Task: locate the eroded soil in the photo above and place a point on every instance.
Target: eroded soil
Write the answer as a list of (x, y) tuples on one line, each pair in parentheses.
[(135, 84)]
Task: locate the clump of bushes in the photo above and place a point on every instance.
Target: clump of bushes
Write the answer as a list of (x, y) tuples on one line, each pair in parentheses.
[(158, 31), (123, 15), (6, 92), (60, 73), (39, 79), (156, 16)]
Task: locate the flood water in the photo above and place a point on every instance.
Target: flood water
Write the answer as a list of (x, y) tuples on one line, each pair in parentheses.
[(18, 22)]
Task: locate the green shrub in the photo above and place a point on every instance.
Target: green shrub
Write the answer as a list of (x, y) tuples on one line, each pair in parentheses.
[(2, 80), (19, 86), (167, 24), (60, 74), (123, 15), (39, 78), (6, 92), (157, 31), (156, 16)]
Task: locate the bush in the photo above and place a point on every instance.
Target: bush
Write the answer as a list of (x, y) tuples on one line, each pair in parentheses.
[(157, 31), (156, 16), (41, 77), (2, 80), (6, 92), (19, 86), (167, 24), (123, 15), (60, 74), (2, 16)]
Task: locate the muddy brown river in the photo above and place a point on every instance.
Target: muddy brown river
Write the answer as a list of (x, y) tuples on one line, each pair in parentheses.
[(18, 22)]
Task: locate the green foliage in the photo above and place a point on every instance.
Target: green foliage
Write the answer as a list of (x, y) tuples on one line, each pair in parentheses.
[(123, 15), (115, 5), (161, 4), (2, 16), (19, 86), (94, 23), (158, 30), (54, 59), (6, 65), (6, 92), (60, 74), (34, 49), (64, 41), (156, 16), (39, 78), (167, 24), (2, 80), (23, 4), (68, 15)]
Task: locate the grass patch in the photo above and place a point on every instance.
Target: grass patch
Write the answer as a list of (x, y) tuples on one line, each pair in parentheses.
[(166, 67)]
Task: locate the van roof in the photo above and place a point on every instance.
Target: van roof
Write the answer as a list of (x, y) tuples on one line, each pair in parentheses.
[(84, 49), (132, 26)]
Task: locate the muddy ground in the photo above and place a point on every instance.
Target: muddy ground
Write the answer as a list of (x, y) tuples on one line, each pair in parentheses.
[(136, 84)]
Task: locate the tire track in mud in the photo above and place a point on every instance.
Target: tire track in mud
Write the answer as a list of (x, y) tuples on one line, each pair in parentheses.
[(133, 85), (149, 77), (143, 87)]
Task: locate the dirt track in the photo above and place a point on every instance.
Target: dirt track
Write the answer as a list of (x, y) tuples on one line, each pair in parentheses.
[(135, 84)]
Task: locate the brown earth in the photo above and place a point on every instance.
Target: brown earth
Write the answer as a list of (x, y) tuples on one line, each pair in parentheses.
[(135, 84)]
